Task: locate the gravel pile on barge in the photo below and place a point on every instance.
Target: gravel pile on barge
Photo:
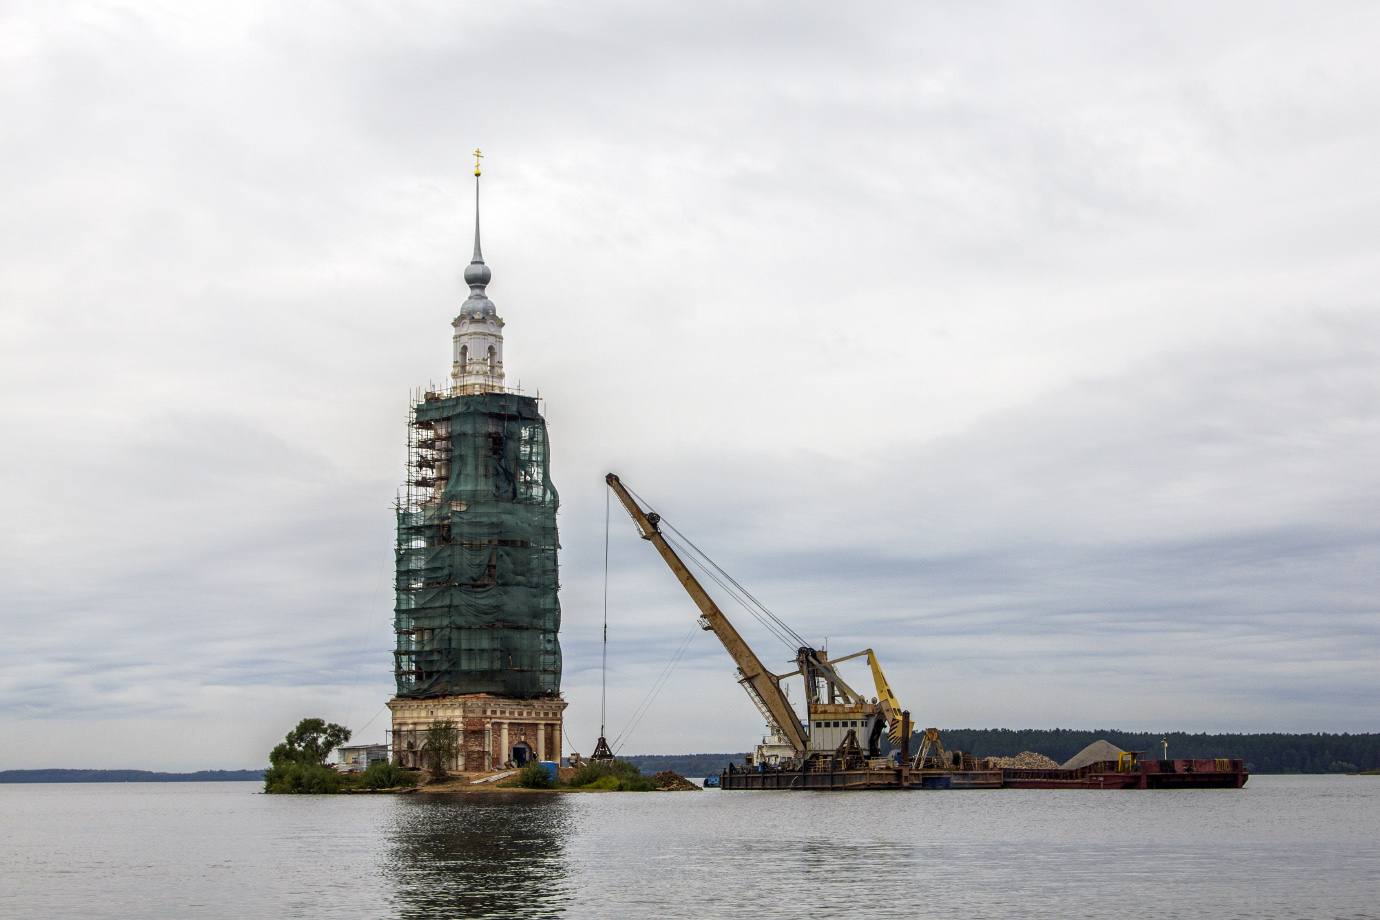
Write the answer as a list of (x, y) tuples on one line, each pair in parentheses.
[(1025, 760), (1094, 753)]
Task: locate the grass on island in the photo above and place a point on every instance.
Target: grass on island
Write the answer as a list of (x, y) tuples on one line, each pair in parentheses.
[(620, 776), (321, 779)]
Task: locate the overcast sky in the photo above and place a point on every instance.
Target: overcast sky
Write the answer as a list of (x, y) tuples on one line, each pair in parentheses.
[(1036, 346)]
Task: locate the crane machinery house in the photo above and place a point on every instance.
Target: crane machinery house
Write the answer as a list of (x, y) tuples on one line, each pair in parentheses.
[(477, 616)]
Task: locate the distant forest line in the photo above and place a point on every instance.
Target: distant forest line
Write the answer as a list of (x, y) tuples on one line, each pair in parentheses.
[(129, 776), (1264, 753), (685, 764)]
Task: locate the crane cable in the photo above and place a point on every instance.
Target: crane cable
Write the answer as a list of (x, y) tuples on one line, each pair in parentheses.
[(645, 706), (651, 696), (714, 572), (604, 668), (743, 596), (773, 624)]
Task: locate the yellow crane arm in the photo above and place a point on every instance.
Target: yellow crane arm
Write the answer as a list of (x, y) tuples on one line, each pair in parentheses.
[(760, 682), (886, 699)]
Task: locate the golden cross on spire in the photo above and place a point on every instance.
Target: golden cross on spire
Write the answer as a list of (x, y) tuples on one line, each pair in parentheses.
[(477, 157)]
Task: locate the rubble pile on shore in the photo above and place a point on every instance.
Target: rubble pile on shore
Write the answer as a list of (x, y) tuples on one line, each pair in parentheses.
[(671, 781)]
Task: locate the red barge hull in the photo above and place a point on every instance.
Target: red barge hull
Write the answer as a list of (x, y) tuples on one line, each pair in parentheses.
[(1147, 774)]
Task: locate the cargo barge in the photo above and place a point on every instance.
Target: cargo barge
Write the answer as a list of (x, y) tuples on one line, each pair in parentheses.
[(1140, 774)]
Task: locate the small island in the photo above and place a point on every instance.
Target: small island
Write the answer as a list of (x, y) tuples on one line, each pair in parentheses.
[(298, 766)]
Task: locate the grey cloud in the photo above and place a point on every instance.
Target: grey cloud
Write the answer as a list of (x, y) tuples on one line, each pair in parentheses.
[(1204, 521), (1037, 343)]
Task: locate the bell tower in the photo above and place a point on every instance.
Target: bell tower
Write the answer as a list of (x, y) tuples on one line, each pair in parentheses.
[(477, 612)]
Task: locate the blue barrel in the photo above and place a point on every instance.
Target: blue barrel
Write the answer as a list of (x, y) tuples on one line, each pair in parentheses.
[(549, 768)]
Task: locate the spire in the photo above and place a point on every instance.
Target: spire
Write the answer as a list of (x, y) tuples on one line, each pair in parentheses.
[(477, 342), (477, 274), (478, 256)]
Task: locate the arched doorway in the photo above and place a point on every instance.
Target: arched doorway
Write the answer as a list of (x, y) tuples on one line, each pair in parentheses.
[(522, 753)]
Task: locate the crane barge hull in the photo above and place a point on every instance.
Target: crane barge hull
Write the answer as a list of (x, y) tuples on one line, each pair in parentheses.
[(741, 778), (1146, 774)]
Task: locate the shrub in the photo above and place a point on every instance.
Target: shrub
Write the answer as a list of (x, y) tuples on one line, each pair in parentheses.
[(625, 769), (302, 778), (383, 775), (587, 773), (534, 776), (621, 775), (1341, 766)]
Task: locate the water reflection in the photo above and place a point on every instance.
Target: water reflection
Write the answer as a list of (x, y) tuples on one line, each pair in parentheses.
[(484, 855)]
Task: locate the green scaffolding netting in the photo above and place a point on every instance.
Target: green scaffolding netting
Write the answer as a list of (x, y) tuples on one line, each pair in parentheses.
[(476, 578)]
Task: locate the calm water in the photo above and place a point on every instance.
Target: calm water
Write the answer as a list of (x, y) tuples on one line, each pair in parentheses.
[(1281, 847)]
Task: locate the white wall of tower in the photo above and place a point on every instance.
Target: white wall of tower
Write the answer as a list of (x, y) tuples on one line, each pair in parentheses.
[(477, 352)]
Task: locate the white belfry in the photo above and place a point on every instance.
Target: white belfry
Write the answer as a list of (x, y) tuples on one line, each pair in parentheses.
[(477, 356)]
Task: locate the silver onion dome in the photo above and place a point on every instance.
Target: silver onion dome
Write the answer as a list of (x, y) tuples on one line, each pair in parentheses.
[(477, 274)]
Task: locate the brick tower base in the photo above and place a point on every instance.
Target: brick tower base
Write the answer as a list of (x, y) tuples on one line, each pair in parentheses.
[(494, 730)]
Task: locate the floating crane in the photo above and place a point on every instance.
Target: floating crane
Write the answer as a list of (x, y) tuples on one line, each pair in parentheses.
[(837, 715), (825, 752)]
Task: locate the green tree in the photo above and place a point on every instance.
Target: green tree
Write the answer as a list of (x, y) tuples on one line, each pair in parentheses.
[(442, 744), (310, 742), (298, 764)]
